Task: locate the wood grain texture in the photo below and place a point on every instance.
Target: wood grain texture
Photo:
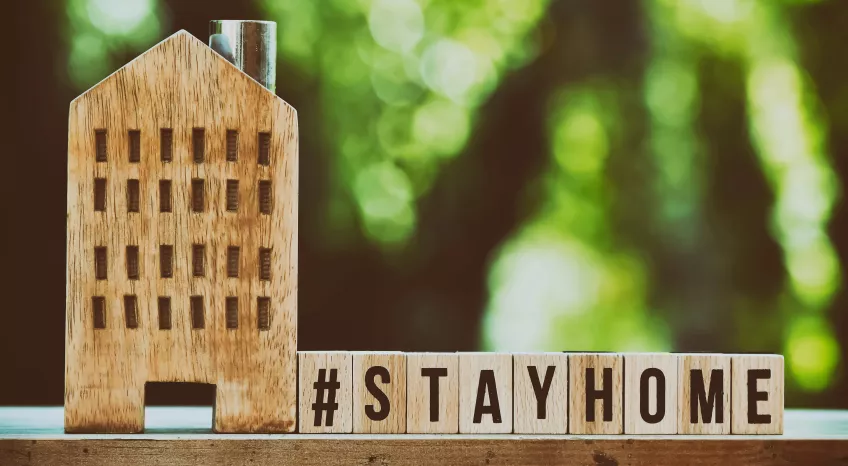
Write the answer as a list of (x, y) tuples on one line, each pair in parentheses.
[(411, 451), (391, 419), (527, 417), (753, 376), (480, 376), (314, 368), (175, 87), (711, 369), (580, 366), (420, 409), (644, 375)]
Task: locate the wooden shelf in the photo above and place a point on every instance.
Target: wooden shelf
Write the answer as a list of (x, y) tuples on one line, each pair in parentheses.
[(182, 435)]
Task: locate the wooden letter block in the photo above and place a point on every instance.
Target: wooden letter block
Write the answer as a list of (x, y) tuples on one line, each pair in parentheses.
[(541, 393), (757, 394), (432, 393), (379, 393), (485, 393), (325, 399), (596, 381), (703, 394), (650, 393)]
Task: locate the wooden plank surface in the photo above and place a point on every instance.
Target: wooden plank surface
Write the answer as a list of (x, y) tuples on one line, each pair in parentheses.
[(183, 436)]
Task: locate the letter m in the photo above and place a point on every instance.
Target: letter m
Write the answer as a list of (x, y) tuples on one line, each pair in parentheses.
[(711, 400)]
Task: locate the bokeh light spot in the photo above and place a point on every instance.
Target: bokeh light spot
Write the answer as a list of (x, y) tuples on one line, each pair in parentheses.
[(396, 25), (119, 17), (812, 353), (441, 126), (384, 195), (449, 68), (87, 61)]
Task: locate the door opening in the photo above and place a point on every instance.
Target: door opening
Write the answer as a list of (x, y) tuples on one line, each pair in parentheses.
[(178, 407)]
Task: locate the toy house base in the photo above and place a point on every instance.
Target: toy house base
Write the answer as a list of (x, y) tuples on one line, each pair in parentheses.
[(126, 413)]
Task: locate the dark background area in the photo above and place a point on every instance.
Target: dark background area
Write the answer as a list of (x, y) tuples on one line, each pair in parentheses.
[(691, 240)]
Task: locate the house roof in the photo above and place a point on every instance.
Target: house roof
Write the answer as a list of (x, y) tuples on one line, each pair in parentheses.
[(180, 40)]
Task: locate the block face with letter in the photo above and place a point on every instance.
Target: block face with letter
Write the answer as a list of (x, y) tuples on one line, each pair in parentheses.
[(757, 394), (703, 394), (379, 392), (325, 393), (432, 391), (596, 382), (650, 393), (541, 393), (485, 393)]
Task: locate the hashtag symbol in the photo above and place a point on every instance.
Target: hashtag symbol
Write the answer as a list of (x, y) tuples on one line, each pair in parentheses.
[(330, 386)]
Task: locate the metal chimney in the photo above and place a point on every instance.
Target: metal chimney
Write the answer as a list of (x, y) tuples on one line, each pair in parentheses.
[(249, 45)]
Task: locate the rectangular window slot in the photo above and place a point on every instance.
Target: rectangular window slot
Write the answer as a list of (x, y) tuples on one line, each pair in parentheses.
[(198, 144), (233, 261), (232, 195), (197, 319), (232, 145), (131, 311), (263, 305), (265, 197), (164, 195), (166, 144), (166, 260), (132, 262), (264, 264), (98, 306), (197, 200), (135, 145), (100, 262), (100, 194), (100, 145), (132, 195), (265, 149), (232, 312), (164, 313), (198, 259)]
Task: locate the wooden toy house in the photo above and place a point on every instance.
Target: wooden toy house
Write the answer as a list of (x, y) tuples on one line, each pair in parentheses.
[(181, 242)]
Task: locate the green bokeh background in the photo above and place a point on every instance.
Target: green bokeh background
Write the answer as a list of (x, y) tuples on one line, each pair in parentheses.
[(652, 175)]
